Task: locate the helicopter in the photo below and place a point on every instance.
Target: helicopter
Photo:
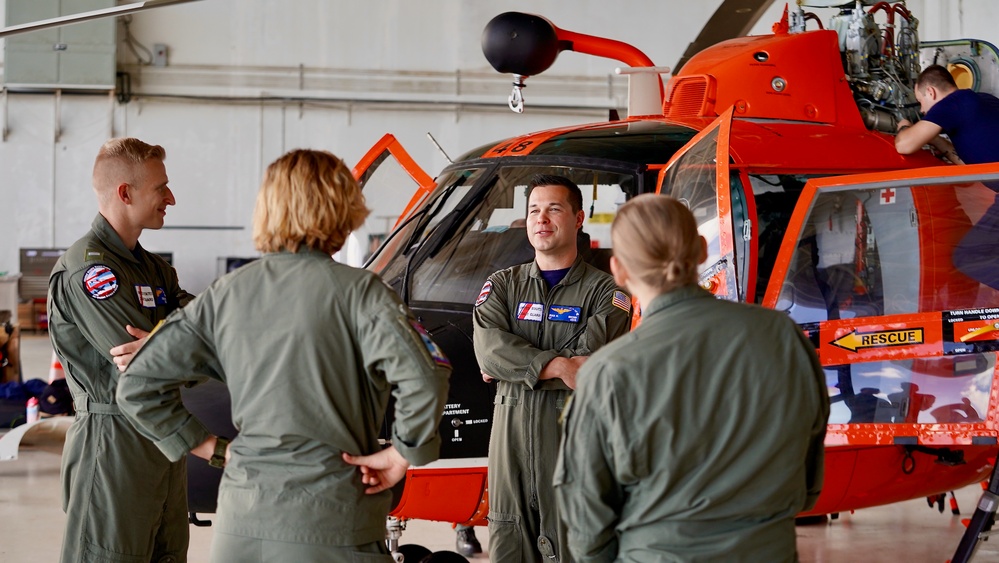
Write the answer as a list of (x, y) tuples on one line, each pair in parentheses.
[(781, 145)]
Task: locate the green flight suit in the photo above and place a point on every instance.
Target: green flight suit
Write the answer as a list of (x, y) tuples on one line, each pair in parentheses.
[(310, 351), (698, 437), (519, 326), (124, 501)]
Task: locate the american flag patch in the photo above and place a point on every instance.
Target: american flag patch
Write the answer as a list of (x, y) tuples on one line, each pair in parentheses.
[(100, 282), (621, 301)]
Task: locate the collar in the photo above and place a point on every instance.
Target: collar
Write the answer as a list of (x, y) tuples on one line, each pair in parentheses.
[(678, 295), (574, 275), (106, 233), (303, 252)]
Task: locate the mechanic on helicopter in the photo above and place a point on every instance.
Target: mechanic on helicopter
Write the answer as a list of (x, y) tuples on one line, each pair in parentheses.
[(534, 325), (971, 120)]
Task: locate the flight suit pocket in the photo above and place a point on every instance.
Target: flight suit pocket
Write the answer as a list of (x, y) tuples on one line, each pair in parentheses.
[(505, 535)]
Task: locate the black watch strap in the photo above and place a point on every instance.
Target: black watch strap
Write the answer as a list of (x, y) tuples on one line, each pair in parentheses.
[(218, 456)]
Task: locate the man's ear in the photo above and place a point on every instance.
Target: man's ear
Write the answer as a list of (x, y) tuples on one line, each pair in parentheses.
[(580, 215), (123, 194), (704, 251)]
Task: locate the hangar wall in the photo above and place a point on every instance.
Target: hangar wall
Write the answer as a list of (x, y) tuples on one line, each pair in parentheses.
[(249, 79)]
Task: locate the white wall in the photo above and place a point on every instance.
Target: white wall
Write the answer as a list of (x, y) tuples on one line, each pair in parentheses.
[(228, 102)]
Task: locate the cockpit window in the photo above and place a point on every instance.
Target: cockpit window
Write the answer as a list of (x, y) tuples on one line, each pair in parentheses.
[(876, 251), (693, 181), (484, 230), (948, 390), (452, 187)]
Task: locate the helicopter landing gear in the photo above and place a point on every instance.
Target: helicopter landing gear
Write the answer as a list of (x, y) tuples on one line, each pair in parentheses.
[(413, 553), (979, 529)]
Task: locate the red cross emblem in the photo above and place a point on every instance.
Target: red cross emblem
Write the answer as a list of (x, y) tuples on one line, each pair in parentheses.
[(887, 196)]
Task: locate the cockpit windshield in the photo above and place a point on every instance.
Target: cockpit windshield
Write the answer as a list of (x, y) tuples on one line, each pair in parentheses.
[(475, 224)]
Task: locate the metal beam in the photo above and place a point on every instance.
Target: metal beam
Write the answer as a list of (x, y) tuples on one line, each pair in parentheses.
[(87, 16), (734, 18)]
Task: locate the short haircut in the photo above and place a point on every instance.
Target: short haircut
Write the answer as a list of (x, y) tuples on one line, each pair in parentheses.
[(575, 195), (655, 237), (938, 77), (308, 199), (118, 160)]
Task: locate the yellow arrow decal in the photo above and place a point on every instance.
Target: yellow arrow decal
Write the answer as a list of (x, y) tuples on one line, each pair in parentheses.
[(881, 339)]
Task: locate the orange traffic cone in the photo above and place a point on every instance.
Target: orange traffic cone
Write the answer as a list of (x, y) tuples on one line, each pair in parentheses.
[(56, 372)]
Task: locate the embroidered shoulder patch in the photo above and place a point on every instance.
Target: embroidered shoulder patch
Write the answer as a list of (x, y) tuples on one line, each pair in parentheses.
[(100, 282), (621, 301), (435, 351), (484, 293)]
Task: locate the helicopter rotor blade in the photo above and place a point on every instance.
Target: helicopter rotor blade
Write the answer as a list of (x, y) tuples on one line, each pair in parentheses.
[(87, 16)]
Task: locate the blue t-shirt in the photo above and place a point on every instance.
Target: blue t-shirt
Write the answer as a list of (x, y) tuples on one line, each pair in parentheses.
[(552, 277), (971, 120)]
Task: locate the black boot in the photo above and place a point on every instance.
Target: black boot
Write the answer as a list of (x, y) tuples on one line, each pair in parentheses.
[(466, 543)]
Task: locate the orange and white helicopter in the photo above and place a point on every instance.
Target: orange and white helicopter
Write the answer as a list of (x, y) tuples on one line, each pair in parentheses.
[(781, 145)]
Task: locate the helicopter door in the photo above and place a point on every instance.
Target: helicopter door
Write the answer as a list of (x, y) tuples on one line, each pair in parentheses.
[(386, 173), (699, 175), (894, 277)]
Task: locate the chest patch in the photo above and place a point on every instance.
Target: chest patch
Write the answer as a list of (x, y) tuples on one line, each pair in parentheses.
[(161, 297), (146, 297), (564, 313), (533, 312), (100, 282), (435, 351), (484, 293)]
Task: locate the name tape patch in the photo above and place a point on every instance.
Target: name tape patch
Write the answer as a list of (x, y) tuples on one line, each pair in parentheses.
[(100, 282), (527, 311), (146, 297), (564, 314)]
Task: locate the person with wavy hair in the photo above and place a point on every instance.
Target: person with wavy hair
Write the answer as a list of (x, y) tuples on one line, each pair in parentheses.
[(308, 199), (311, 351), (699, 435)]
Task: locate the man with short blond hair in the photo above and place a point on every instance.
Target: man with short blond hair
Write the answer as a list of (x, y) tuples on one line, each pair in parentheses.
[(124, 501)]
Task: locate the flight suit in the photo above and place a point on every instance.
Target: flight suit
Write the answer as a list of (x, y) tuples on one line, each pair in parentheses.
[(697, 437), (310, 351), (124, 501), (519, 326)]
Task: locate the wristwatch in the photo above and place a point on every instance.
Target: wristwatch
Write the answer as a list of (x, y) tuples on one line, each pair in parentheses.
[(218, 456)]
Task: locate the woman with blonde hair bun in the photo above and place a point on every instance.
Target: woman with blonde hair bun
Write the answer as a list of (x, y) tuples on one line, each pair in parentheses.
[(699, 435)]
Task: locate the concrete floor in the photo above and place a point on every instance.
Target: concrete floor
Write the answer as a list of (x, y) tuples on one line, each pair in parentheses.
[(31, 518)]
